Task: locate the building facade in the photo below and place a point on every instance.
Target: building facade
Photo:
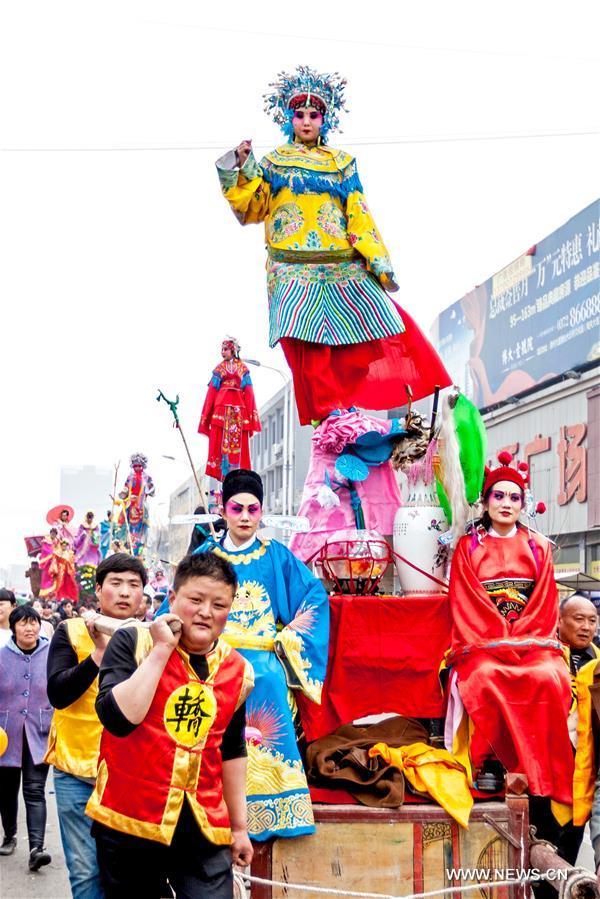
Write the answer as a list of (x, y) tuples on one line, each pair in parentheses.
[(87, 488), (556, 430), (280, 453), (183, 501), (525, 347)]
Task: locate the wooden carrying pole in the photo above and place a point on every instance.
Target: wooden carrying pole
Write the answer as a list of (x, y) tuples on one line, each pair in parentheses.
[(107, 626)]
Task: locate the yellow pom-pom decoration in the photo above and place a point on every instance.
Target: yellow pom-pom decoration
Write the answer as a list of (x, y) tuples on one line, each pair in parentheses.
[(3, 741)]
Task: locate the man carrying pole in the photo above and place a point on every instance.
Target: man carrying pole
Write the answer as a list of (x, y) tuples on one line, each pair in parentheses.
[(174, 696), (74, 659)]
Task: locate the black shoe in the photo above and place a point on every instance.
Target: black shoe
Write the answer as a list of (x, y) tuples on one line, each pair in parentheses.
[(9, 844), (38, 857), (490, 778)]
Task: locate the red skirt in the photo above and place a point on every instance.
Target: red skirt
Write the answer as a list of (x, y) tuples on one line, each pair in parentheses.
[(519, 710), (371, 375), (228, 444)]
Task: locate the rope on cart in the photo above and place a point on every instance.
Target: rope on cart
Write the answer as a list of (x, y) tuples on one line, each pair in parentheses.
[(331, 891)]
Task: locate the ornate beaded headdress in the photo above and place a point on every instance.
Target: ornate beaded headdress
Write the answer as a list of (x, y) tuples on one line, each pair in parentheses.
[(232, 344), (306, 87), (138, 459)]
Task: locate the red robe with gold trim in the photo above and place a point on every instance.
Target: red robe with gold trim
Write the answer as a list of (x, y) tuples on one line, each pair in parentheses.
[(229, 417), (512, 676), (181, 736)]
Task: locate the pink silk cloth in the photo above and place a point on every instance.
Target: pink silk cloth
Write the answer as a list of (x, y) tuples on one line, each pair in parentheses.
[(379, 493)]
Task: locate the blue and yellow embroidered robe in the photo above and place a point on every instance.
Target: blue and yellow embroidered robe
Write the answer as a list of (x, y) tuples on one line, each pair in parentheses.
[(279, 621), (328, 268)]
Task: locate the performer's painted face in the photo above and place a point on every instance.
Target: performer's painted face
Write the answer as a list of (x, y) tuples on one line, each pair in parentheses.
[(242, 513), (504, 504), (64, 515), (226, 352), (203, 605), (307, 124)]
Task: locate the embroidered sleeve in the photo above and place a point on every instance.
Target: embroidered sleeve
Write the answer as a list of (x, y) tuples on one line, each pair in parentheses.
[(251, 419), (301, 646), (209, 402), (245, 189), (364, 235)]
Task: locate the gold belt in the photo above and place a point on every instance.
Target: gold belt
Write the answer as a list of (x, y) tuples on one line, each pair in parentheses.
[(312, 257), (247, 641)]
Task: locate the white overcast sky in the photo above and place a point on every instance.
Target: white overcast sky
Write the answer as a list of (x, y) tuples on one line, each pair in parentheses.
[(121, 267)]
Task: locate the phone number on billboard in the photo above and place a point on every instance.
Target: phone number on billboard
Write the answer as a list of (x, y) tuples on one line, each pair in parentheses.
[(580, 313)]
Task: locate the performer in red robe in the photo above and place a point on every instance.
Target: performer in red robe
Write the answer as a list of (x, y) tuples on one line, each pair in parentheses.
[(229, 416), (512, 678), (61, 573)]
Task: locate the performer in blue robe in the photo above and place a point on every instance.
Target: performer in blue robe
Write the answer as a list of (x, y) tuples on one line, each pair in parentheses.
[(279, 621), (105, 535)]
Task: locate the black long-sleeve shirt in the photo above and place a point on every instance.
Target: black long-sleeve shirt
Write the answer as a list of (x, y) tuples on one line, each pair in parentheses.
[(119, 663)]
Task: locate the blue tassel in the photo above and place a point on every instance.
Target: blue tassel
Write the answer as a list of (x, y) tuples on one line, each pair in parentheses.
[(300, 181)]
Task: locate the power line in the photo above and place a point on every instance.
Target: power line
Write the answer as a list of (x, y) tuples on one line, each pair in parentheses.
[(356, 142), (336, 39)]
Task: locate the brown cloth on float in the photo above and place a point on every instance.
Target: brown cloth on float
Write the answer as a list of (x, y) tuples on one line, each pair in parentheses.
[(342, 760)]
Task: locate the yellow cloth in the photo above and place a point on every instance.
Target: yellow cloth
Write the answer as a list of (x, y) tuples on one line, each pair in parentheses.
[(586, 766), (433, 771), (75, 732), (74, 739), (304, 222)]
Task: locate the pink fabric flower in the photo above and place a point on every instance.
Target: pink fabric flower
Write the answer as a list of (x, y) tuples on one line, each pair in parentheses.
[(337, 431)]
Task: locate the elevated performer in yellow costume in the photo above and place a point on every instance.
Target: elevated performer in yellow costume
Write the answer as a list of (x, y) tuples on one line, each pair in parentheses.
[(328, 270)]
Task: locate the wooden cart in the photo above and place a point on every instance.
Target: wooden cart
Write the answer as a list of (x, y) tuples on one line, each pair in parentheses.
[(399, 851)]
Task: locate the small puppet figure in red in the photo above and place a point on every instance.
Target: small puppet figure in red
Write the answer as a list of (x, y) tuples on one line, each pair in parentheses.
[(507, 662), (229, 416)]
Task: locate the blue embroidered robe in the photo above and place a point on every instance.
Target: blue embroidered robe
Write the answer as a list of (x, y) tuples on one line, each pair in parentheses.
[(279, 621)]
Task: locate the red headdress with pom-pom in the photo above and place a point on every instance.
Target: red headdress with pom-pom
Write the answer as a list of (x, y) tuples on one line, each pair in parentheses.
[(505, 472)]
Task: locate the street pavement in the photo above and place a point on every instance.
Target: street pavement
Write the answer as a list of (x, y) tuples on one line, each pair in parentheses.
[(51, 882)]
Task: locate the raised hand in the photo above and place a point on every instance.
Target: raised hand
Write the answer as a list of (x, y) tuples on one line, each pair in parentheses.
[(243, 152)]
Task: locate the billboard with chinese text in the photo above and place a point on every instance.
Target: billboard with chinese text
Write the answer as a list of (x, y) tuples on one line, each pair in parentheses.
[(537, 318)]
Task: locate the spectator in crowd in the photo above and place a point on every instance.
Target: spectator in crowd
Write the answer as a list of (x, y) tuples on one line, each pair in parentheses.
[(74, 659), (144, 613), (156, 603), (49, 615), (7, 604), (23, 695), (66, 610), (46, 628)]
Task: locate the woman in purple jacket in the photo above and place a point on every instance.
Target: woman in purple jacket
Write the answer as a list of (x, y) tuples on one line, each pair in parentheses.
[(25, 715)]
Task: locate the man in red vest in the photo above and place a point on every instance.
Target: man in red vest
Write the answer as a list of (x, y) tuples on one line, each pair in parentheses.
[(170, 798)]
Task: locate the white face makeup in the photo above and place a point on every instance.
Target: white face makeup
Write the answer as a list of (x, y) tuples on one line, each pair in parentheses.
[(307, 122)]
